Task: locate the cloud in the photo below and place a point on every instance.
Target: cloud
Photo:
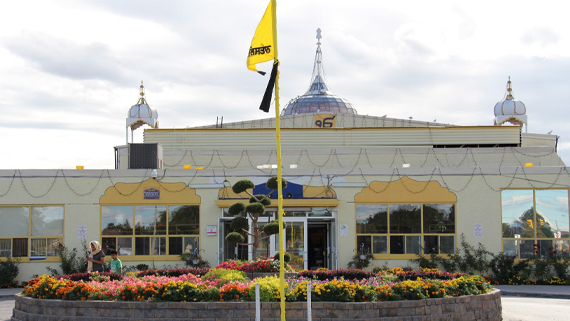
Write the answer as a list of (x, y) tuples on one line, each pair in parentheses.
[(541, 36), (66, 58)]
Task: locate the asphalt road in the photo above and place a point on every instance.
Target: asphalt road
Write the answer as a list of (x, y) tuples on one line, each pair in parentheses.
[(514, 309), (535, 309)]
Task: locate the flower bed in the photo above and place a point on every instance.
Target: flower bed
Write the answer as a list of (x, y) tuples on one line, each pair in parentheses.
[(228, 285), (258, 266)]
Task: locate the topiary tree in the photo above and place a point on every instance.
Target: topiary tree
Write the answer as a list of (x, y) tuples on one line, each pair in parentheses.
[(253, 210)]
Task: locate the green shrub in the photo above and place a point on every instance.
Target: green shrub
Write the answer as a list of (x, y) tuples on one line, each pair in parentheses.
[(272, 228), (561, 263), (286, 257), (235, 237), (142, 267), (426, 262), (236, 208), (242, 186), (70, 260), (224, 275), (268, 289), (506, 271), (8, 272), (260, 198), (467, 259)]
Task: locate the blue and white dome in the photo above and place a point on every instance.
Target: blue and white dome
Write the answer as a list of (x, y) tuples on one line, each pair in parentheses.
[(318, 97)]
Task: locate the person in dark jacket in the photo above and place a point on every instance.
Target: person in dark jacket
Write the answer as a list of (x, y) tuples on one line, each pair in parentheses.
[(95, 260)]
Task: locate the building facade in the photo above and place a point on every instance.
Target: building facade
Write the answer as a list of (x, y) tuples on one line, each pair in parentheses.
[(357, 184)]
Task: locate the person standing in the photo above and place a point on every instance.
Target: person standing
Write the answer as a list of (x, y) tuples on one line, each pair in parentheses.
[(116, 264), (96, 260)]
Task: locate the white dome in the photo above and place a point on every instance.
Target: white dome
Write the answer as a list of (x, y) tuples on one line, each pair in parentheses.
[(510, 106), (510, 110), (142, 111)]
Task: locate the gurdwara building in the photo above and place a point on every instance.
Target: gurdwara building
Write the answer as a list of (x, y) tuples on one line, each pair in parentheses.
[(357, 185)]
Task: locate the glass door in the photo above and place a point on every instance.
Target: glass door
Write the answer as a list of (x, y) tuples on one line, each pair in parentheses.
[(263, 247), (295, 242), (332, 253)]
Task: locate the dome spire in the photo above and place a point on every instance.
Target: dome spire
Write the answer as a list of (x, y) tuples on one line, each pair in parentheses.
[(509, 90), (141, 99), (318, 85), (318, 98)]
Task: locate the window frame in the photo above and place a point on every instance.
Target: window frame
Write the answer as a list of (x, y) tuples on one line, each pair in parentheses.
[(50, 255), (527, 252), (407, 237), (133, 236)]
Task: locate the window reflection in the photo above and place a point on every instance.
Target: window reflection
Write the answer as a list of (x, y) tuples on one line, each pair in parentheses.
[(15, 221), (372, 218), (183, 220), (517, 213), (47, 220), (413, 244), (527, 249), (397, 244), (150, 220), (439, 218), (380, 245), (5, 247), (447, 244), (405, 218), (511, 248), (116, 220), (552, 213), (366, 240), (173, 222), (535, 220)]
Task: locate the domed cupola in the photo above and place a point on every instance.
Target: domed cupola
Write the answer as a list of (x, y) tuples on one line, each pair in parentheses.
[(510, 109), (141, 113), (318, 97)]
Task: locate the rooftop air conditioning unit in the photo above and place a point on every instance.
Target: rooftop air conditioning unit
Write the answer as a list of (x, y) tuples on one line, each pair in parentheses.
[(145, 156)]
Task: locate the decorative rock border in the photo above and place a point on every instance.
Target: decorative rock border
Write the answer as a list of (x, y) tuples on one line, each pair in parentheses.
[(476, 307)]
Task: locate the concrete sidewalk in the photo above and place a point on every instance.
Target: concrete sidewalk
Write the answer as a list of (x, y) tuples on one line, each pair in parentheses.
[(8, 294), (542, 291)]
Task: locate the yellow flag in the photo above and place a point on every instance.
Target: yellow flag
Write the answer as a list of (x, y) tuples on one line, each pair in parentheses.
[(262, 47)]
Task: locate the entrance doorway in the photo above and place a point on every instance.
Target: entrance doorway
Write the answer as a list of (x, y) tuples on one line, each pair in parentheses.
[(310, 243), (309, 237), (318, 246)]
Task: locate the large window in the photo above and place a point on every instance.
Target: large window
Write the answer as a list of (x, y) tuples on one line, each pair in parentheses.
[(535, 222), (406, 228), (31, 231), (150, 229)]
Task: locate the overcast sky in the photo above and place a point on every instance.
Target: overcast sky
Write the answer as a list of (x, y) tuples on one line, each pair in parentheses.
[(70, 70)]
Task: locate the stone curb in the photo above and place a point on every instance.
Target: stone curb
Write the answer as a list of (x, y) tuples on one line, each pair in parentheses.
[(478, 307)]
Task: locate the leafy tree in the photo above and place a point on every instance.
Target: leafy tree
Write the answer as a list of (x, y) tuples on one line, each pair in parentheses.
[(528, 224), (253, 210)]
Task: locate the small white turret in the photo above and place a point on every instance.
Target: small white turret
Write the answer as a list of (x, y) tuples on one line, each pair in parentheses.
[(141, 113), (510, 110)]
